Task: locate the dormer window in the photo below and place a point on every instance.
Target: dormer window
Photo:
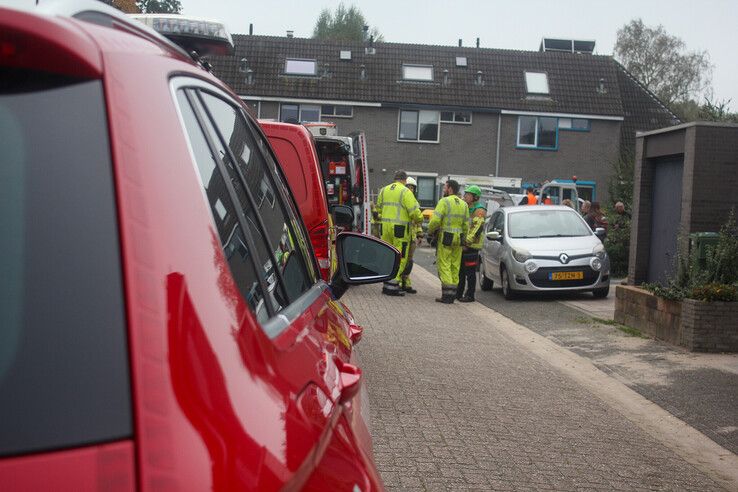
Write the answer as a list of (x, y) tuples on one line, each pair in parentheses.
[(460, 61), (295, 66), (422, 73), (536, 82)]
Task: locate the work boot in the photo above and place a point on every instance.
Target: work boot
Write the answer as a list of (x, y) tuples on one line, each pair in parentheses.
[(445, 299), (466, 299), (394, 293), (409, 290)]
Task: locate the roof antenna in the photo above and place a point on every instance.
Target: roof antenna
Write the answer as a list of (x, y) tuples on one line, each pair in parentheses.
[(460, 43), (251, 29)]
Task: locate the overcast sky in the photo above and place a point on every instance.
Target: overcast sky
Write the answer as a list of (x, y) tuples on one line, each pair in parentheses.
[(710, 25)]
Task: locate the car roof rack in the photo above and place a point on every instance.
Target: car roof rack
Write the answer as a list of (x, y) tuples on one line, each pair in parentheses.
[(96, 12)]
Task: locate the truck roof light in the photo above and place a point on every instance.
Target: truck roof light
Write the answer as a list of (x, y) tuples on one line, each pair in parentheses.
[(206, 37)]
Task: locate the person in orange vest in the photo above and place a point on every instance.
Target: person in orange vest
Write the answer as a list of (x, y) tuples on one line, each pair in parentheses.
[(546, 200), (529, 198)]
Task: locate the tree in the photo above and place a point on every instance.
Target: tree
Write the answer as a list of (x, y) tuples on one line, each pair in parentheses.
[(160, 6), (662, 63), (717, 111), (345, 24)]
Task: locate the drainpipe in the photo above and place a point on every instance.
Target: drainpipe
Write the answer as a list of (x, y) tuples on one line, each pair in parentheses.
[(497, 153)]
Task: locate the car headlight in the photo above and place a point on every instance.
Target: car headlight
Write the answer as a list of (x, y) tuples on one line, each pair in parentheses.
[(531, 266), (596, 264), (520, 255), (599, 252)]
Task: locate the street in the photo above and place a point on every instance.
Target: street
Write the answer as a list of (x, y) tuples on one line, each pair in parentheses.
[(464, 398)]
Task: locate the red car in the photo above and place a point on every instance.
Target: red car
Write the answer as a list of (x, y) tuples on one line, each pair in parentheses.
[(164, 323), (294, 146)]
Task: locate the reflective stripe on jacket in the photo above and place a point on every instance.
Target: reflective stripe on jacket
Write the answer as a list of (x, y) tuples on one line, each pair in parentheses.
[(451, 215), (397, 205), (475, 239)]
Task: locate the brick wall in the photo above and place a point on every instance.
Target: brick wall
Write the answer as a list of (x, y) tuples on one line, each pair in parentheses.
[(710, 326), (696, 325), (648, 313), (587, 155), (463, 149)]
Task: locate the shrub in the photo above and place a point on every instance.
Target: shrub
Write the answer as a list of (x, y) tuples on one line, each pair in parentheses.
[(714, 292), (714, 280), (617, 243)]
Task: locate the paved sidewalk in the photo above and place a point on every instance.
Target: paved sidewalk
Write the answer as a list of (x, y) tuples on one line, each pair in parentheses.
[(459, 403)]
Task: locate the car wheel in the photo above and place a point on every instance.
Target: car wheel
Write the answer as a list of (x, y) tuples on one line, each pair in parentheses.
[(601, 293), (484, 282), (507, 289)]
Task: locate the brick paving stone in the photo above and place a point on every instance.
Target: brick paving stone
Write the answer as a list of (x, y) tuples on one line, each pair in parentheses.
[(456, 405)]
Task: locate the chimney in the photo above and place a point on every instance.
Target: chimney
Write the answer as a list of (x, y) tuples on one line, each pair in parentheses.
[(477, 42), (290, 34), (249, 76), (601, 87), (243, 65), (362, 73), (446, 79), (251, 29), (460, 43), (369, 50), (479, 80)]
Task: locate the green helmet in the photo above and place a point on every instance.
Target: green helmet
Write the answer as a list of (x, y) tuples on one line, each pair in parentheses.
[(474, 190)]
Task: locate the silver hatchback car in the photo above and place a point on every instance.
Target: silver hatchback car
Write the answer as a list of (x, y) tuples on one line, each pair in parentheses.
[(541, 248)]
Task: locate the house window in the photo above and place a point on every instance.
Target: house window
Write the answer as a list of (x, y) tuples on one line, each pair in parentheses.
[(460, 61), (298, 113), (337, 111), (536, 82), (574, 124), (538, 132), (417, 72), (418, 126), (294, 66), (463, 117)]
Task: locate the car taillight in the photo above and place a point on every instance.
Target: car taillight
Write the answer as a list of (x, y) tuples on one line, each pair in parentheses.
[(320, 238)]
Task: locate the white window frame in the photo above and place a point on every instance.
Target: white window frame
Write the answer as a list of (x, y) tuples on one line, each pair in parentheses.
[(453, 120), (417, 130), (535, 135), (409, 66), (534, 78), (322, 114), (300, 72)]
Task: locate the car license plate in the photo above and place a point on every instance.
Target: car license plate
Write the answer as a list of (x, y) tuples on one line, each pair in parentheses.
[(566, 275)]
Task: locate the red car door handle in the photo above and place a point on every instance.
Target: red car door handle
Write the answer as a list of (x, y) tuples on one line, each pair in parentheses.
[(355, 333), (350, 377)]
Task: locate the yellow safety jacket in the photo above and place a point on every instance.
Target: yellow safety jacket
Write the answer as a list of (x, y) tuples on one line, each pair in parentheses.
[(398, 209), (451, 220), (475, 238)]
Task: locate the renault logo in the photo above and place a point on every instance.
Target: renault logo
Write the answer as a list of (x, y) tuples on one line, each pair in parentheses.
[(564, 258)]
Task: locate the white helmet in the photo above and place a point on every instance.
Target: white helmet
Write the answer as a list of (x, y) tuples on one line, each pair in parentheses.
[(411, 182)]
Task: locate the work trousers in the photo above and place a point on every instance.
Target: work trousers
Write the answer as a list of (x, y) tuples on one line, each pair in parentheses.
[(468, 274), (448, 261), (403, 246)]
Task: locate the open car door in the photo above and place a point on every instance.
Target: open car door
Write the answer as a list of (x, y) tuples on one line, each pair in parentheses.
[(362, 202)]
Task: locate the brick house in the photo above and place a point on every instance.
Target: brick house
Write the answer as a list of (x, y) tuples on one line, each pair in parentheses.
[(536, 115)]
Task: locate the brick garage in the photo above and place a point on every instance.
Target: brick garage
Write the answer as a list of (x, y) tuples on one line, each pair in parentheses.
[(695, 325), (709, 156)]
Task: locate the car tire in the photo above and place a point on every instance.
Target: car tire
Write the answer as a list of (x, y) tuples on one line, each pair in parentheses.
[(507, 289), (484, 282), (601, 293)]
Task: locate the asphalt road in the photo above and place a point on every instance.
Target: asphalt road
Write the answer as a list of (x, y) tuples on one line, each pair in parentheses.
[(700, 389)]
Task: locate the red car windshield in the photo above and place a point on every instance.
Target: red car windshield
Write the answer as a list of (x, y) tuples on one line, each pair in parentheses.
[(64, 378)]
